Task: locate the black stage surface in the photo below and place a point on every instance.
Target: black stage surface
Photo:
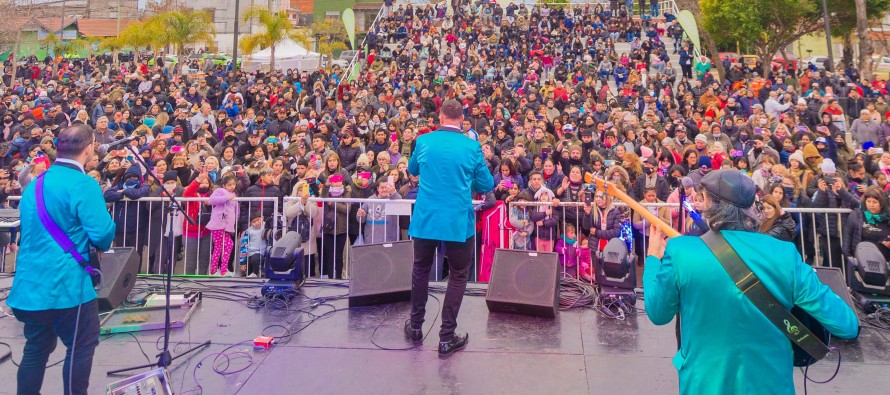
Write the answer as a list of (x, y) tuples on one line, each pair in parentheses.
[(579, 352)]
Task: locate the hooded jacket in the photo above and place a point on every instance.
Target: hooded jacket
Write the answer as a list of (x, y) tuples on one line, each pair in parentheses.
[(126, 213)]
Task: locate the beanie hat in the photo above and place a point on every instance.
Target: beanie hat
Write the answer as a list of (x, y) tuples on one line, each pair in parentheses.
[(646, 152), (798, 156), (828, 167), (705, 161), (701, 138)]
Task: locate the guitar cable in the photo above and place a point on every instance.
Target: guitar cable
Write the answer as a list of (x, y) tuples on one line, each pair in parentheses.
[(837, 369)]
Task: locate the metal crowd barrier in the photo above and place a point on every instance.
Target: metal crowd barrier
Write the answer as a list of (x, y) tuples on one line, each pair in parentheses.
[(329, 247), (330, 240)]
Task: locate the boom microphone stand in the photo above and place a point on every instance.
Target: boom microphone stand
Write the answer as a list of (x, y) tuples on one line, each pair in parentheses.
[(165, 359)]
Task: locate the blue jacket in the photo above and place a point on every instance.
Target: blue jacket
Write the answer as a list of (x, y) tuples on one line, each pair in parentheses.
[(451, 167), (727, 345), (46, 277)]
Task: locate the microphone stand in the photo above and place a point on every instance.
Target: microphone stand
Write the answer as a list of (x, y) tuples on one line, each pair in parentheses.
[(165, 358)]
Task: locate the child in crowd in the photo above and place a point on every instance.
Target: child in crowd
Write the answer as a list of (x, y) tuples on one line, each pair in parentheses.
[(253, 247), (520, 219), (570, 253), (223, 217), (379, 227), (546, 220)]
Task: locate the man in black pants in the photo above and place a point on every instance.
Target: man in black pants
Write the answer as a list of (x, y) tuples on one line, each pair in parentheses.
[(451, 167), (51, 293)]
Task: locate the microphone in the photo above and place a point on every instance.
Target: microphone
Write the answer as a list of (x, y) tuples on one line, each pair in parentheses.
[(103, 149)]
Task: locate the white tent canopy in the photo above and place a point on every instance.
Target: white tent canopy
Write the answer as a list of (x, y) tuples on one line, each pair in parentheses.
[(288, 55)]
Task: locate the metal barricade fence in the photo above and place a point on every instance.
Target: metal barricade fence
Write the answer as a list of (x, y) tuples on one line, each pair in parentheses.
[(334, 227), (142, 224)]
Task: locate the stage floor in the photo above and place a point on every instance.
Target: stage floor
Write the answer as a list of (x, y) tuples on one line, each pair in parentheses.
[(579, 352)]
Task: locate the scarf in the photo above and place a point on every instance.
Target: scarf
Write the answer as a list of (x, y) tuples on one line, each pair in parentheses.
[(874, 219), (568, 241)]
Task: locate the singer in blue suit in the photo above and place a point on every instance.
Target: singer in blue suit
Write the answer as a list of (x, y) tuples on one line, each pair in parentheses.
[(451, 167), (51, 293)]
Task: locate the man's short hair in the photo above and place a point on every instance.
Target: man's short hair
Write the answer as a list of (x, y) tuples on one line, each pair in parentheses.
[(73, 140), (452, 109)]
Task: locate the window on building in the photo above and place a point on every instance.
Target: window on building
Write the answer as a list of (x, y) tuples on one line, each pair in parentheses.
[(332, 15)]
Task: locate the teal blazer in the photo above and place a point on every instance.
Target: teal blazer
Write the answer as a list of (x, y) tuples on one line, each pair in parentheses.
[(46, 277), (727, 345), (451, 167)]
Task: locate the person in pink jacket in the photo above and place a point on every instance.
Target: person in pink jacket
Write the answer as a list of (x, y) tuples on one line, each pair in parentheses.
[(223, 218)]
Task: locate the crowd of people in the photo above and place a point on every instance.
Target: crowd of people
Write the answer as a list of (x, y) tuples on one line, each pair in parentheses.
[(547, 95)]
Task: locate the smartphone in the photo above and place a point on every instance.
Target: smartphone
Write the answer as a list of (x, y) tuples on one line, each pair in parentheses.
[(176, 149), (365, 174), (830, 180), (391, 180), (758, 130), (546, 151), (311, 180), (879, 151), (588, 197), (393, 137), (609, 162), (508, 184), (236, 168)]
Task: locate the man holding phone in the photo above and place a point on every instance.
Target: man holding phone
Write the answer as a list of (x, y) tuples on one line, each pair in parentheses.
[(451, 167)]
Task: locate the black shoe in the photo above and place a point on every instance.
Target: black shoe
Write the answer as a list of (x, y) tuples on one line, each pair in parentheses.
[(412, 334), (455, 344)]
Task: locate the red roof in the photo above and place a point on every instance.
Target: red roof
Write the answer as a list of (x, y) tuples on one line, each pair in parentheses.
[(101, 27)]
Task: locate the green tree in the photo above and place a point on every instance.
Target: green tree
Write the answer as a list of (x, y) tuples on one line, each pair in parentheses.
[(769, 25), (330, 35), (277, 28), (179, 29)]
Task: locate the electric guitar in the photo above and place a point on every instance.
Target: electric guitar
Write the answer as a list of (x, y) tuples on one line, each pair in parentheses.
[(801, 357)]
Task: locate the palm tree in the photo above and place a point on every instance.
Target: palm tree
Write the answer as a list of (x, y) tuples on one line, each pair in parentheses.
[(330, 35), (277, 28), (180, 29), (113, 44)]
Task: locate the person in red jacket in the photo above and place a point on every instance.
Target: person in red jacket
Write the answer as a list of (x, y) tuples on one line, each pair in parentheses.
[(197, 237)]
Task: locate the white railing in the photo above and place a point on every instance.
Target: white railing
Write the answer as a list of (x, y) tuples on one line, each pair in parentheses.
[(328, 249), (358, 51)]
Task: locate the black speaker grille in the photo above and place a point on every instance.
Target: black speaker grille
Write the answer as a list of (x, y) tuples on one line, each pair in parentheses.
[(381, 268), (530, 277)]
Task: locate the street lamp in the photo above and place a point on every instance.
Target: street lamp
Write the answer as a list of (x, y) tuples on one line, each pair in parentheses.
[(235, 44), (828, 35)]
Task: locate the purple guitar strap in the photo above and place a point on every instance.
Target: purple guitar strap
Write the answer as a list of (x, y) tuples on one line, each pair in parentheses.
[(57, 234)]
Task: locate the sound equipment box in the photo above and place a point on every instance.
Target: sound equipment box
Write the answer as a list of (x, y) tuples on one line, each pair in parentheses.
[(524, 282), (834, 278), (381, 273), (119, 267)]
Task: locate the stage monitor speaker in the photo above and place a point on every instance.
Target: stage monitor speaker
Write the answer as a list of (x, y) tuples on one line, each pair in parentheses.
[(834, 278), (381, 273), (524, 282), (119, 267)]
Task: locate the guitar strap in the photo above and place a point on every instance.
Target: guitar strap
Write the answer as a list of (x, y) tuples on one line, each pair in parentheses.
[(761, 297), (56, 232)]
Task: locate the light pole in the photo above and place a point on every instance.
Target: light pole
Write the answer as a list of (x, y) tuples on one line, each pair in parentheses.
[(828, 35), (235, 43)]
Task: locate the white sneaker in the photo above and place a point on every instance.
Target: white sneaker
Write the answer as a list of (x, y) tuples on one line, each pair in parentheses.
[(251, 275)]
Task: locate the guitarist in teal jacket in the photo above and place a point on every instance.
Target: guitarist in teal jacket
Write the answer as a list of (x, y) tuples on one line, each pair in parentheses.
[(727, 345), (451, 167), (51, 293)]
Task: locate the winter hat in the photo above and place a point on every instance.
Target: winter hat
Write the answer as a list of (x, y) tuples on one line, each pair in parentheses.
[(828, 167), (798, 156), (646, 152), (543, 191), (705, 161), (801, 101), (701, 138), (171, 175)]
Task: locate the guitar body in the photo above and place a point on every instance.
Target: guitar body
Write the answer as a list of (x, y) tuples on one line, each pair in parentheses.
[(801, 357)]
